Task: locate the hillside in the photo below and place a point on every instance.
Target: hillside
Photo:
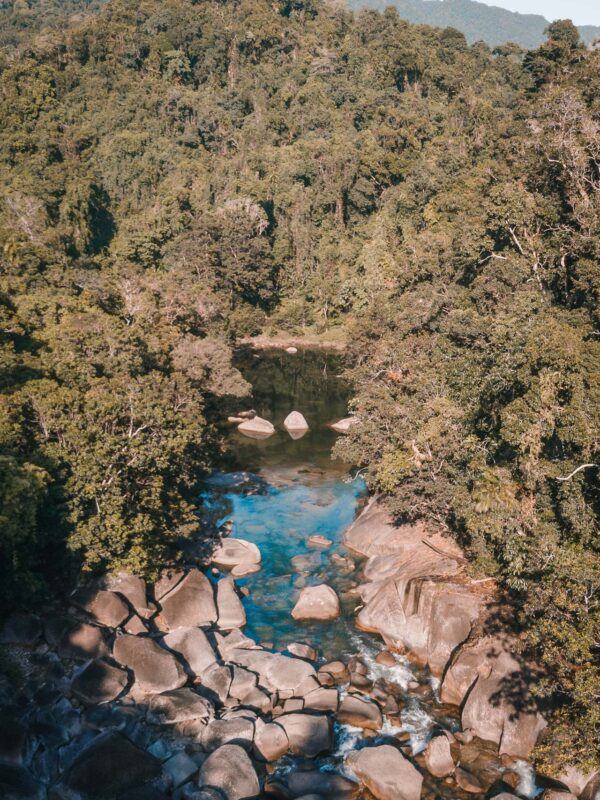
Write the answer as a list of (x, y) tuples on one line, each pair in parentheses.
[(478, 21)]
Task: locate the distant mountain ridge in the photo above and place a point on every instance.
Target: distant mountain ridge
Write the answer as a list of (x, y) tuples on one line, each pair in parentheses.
[(477, 21)]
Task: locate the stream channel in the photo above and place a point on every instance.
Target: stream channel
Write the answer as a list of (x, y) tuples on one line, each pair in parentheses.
[(281, 492)]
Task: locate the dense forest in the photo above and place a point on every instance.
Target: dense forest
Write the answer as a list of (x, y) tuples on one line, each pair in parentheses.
[(478, 21), (178, 174)]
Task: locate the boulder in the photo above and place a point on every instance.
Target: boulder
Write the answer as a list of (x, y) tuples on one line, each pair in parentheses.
[(98, 682), (302, 650), (155, 670), (233, 552), (230, 610), (109, 766), (270, 741), (322, 699), (230, 770), (16, 783), (179, 705), (317, 602), (295, 422), (190, 604), (360, 712), (326, 785), (82, 643), (218, 732), (467, 781), (243, 682), (319, 541), (133, 589), (277, 672), (193, 647), (386, 773), (291, 350), (169, 578), (438, 758), (241, 570), (256, 428), (344, 425), (107, 608), (308, 734)]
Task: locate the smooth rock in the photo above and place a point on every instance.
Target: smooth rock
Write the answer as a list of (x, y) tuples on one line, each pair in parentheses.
[(295, 422), (169, 578), (386, 773), (276, 671), (230, 770), (98, 682), (270, 741), (135, 626), (291, 350), (179, 705), (386, 659), (360, 712), (219, 732), (302, 650), (243, 682), (343, 425), (155, 670), (308, 734), (235, 551), (317, 602), (256, 428), (467, 781), (110, 765), (438, 758), (322, 699), (107, 608), (230, 610), (82, 643), (192, 645), (133, 589), (190, 604), (180, 768)]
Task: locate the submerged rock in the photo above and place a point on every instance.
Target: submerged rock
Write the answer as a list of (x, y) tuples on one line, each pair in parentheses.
[(317, 602), (386, 773), (256, 428)]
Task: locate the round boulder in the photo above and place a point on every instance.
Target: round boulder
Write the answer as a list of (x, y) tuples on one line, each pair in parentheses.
[(230, 770), (317, 602)]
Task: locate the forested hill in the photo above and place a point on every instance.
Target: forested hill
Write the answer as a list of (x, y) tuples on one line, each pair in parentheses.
[(175, 175), (478, 21)]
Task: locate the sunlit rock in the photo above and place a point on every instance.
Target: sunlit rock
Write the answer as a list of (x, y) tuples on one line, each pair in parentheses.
[(343, 425), (317, 602), (257, 428), (386, 773)]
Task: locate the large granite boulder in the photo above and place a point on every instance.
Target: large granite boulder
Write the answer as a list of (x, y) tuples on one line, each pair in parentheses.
[(230, 610), (109, 766), (233, 552), (498, 706), (438, 758), (193, 647), (317, 602), (98, 682), (239, 730), (295, 422), (179, 705), (277, 672), (230, 770), (155, 670), (106, 608), (133, 589), (270, 741), (360, 712), (307, 734), (386, 773), (82, 642), (190, 604)]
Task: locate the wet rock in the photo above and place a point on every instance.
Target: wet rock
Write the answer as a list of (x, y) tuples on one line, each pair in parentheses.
[(133, 589), (295, 421), (344, 425), (107, 608), (361, 712), (231, 612), (323, 784), (190, 604), (438, 759), (317, 602), (386, 659), (270, 741), (110, 765), (16, 783), (21, 629), (228, 731), (302, 650), (256, 428), (308, 734), (230, 770), (98, 682), (386, 773), (236, 551), (155, 670), (337, 669), (319, 541), (179, 705), (192, 645), (180, 768), (467, 781), (82, 643)]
